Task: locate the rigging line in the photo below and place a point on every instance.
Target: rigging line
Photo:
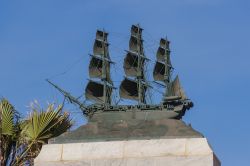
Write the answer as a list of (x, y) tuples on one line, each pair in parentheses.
[(75, 112), (118, 58), (113, 101), (118, 64), (121, 42), (64, 99), (119, 100), (67, 70), (54, 94), (117, 81), (118, 69), (116, 96), (146, 75), (118, 49), (151, 50), (162, 93), (100, 100), (151, 44), (150, 96), (79, 97), (149, 69), (150, 81), (119, 35), (152, 38), (117, 46)]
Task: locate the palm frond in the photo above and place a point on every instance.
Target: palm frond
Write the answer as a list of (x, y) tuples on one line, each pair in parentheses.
[(9, 130), (21, 141), (43, 125), (8, 114)]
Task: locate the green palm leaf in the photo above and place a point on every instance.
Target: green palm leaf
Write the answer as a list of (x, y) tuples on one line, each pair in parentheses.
[(21, 140), (9, 130), (8, 114), (43, 125)]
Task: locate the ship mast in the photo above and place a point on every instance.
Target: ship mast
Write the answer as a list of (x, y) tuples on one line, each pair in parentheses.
[(99, 67), (163, 67), (163, 72), (168, 66), (134, 85), (140, 69), (104, 71)]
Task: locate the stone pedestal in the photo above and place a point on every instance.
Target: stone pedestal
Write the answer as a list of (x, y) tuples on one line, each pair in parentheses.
[(153, 152), (128, 139)]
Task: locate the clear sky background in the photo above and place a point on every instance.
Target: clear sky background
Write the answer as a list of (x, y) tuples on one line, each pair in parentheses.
[(210, 42)]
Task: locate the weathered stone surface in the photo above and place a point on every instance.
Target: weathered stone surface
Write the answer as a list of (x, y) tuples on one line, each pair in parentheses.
[(121, 127), (128, 140), (155, 152)]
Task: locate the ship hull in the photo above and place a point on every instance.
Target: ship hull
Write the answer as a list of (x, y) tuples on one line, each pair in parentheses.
[(138, 115)]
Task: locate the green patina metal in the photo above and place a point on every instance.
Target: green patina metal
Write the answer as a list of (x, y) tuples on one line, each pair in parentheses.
[(109, 120), (129, 129)]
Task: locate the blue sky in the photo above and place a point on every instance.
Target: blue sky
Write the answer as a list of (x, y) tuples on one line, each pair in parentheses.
[(210, 42)]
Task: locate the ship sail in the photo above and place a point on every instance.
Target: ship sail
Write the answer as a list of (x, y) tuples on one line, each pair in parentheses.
[(159, 71), (129, 90), (95, 91), (95, 68), (134, 89), (101, 44), (131, 66), (175, 89), (99, 67)]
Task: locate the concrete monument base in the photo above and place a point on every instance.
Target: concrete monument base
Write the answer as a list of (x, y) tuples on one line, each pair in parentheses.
[(152, 152)]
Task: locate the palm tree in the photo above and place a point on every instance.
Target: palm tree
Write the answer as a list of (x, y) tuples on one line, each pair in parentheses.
[(22, 139)]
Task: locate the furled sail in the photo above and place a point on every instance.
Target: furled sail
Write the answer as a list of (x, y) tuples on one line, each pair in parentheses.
[(133, 65), (95, 92), (175, 89), (99, 67), (163, 65), (129, 90)]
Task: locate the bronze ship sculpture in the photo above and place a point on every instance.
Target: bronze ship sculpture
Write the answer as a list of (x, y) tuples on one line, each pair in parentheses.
[(134, 86)]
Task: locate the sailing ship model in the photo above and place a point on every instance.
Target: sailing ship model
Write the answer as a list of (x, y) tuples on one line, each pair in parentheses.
[(134, 85)]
